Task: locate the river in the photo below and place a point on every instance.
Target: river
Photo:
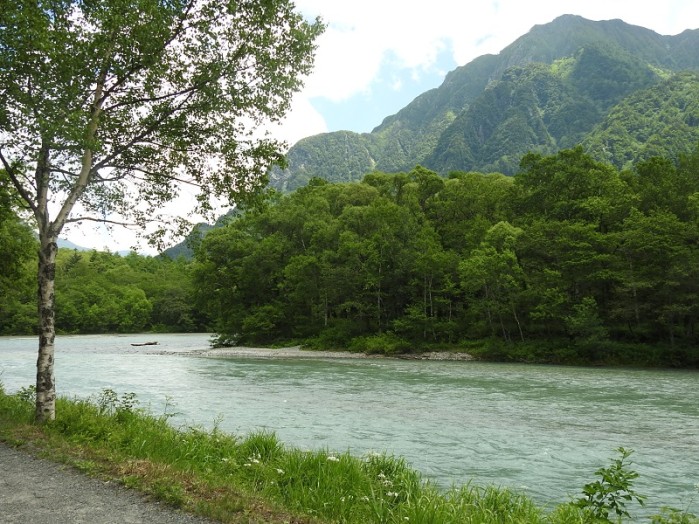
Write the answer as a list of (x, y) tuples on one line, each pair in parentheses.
[(542, 430)]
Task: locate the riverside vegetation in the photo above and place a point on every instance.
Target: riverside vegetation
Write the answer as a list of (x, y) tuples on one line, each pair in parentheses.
[(258, 479), (569, 261)]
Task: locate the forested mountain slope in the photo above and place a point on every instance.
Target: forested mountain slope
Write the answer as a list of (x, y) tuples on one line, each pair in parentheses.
[(558, 85), (660, 121)]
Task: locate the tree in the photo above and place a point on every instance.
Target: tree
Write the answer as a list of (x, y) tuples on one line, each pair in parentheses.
[(17, 248), (658, 284), (108, 106), (16, 242), (493, 275), (570, 186)]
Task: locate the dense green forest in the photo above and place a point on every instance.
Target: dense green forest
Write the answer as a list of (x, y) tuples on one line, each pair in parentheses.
[(571, 260), (17, 249), (96, 292), (102, 292)]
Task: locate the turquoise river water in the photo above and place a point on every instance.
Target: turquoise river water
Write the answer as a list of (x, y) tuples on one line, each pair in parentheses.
[(542, 430)]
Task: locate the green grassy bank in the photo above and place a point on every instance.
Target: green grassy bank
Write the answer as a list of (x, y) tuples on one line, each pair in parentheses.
[(258, 479)]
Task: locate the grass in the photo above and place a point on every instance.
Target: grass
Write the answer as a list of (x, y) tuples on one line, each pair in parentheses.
[(256, 478)]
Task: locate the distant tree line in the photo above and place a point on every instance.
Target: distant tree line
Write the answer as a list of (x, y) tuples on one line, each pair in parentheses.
[(98, 291), (571, 260), (102, 292)]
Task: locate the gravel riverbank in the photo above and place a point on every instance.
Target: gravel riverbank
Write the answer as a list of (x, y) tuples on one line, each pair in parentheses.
[(298, 352)]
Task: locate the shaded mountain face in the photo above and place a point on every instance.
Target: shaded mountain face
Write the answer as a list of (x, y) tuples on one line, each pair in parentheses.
[(572, 81)]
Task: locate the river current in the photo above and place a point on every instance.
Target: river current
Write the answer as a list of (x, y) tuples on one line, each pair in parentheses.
[(542, 430)]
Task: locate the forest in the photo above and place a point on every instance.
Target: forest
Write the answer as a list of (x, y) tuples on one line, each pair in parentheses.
[(102, 292), (570, 261), (97, 291)]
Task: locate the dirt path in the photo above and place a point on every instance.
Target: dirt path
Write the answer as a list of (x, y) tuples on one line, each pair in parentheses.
[(38, 491)]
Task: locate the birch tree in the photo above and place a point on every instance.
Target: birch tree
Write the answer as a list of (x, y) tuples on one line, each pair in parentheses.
[(109, 107)]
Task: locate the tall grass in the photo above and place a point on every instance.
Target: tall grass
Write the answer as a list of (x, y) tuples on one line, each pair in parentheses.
[(256, 478)]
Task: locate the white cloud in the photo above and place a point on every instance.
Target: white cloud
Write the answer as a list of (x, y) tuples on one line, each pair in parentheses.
[(302, 121), (363, 33)]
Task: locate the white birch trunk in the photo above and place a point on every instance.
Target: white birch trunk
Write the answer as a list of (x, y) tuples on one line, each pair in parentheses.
[(45, 381)]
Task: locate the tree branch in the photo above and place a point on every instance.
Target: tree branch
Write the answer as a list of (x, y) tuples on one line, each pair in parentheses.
[(101, 221), (63, 172), (169, 177), (143, 135), (148, 100), (179, 29), (42, 178), (86, 168), (11, 172)]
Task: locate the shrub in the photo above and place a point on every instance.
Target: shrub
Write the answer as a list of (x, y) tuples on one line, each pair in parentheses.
[(383, 344), (612, 491)]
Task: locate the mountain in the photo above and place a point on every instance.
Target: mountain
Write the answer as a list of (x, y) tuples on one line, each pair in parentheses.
[(660, 121), (185, 249), (64, 243), (67, 244), (567, 82)]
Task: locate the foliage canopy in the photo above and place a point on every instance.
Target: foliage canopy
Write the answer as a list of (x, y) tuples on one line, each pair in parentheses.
[(109, 107), (107, 104), (569, 261)]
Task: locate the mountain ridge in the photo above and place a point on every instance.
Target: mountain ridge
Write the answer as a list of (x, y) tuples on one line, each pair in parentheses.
[(419, 132)]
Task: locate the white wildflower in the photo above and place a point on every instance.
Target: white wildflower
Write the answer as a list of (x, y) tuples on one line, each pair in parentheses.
[(280, 471), (333, 458)]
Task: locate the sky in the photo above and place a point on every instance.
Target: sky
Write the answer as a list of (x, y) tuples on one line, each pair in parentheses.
[(376, 56)]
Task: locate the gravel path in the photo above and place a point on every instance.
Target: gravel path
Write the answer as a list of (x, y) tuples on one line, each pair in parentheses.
[(37, 491)]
